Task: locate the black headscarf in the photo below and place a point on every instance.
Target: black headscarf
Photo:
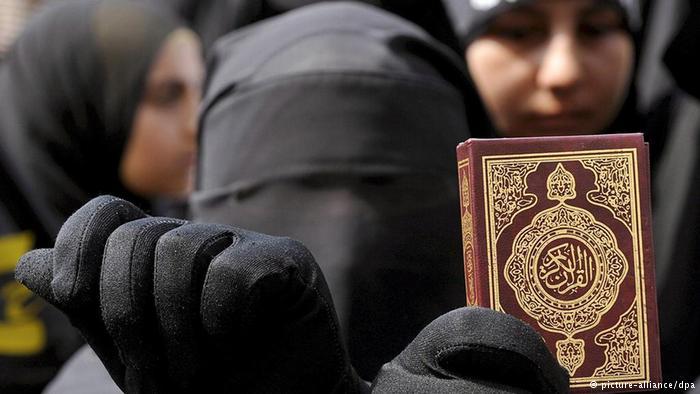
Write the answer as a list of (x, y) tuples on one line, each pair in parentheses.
[(70, 87), (336, 124), (470, 18)]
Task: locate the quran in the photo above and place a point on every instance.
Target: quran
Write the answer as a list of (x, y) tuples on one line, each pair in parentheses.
[(556, 231)]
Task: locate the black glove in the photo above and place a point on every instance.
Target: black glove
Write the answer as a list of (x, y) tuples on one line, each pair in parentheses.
[(171, 306), (474, 350)]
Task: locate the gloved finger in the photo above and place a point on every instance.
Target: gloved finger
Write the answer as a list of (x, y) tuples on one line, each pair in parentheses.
[(267, 306), (126, 300), (77, 258), (181, 261), (79, 248), (34, 270), (474, 350), (256, 270)]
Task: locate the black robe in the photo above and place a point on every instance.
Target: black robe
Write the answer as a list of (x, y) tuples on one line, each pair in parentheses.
[(678, 187)]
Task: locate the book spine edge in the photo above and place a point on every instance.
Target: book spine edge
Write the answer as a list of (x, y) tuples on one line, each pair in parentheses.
[(471, 274)]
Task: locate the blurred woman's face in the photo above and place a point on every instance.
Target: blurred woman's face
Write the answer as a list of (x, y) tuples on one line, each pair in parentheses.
[(160, 155), (554, 67)]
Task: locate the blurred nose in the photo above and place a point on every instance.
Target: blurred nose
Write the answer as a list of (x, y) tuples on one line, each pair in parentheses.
[(560, 68)]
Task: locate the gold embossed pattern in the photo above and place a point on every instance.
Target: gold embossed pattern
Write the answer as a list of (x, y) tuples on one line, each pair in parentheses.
[(508, 187), (613, 182), (622, 353), (467, 233), (565, 267)]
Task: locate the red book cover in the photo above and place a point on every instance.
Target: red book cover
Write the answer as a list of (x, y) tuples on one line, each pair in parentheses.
[(557, 232)]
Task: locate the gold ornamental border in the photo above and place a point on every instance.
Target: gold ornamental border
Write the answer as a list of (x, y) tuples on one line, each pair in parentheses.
[(467, 230), (638, 259)]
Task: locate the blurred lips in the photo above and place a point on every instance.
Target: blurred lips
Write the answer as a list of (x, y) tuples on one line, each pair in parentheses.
[(562, 122)]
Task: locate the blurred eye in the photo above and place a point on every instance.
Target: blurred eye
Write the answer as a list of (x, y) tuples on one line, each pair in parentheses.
[(165, 94), (518, 27), (519, 33), (319, 181), (594, 30), (600, 23)]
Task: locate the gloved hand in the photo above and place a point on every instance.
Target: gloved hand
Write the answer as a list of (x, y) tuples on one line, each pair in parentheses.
[(474, 350), (171, 306)]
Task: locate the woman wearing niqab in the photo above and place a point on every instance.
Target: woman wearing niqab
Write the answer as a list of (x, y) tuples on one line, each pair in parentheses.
[(336, 126)]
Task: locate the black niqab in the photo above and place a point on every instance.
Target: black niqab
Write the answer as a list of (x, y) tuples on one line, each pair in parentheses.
[(336, 125)]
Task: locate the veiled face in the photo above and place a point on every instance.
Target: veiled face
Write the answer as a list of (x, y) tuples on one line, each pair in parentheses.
[(553, 67), (160, 155)]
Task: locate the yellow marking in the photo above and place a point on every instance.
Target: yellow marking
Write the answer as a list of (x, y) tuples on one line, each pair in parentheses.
[(12, 247), (22, 333)]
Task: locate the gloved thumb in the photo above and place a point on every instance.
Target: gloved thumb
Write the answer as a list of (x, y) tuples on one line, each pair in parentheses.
[(34, 270), (474, 350)]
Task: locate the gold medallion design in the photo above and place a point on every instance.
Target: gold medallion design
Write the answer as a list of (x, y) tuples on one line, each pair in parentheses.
[(566, 269)]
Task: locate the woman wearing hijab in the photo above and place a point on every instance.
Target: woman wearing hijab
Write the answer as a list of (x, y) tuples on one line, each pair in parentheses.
[(97, 97), (567, 67), (549, 67)]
